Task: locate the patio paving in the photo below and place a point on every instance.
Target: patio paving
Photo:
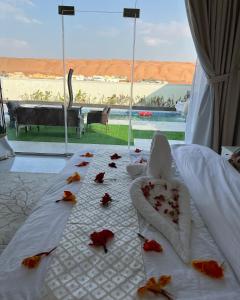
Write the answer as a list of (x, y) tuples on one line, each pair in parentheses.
[(152, 125)]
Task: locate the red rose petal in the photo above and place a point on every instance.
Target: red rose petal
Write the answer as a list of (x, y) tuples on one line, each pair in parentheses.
[(100, 238), (115, 156), (152, 245), (99, 177)]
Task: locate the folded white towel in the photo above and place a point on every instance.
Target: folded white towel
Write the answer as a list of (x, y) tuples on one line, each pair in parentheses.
[(160, 161), (136, 170)]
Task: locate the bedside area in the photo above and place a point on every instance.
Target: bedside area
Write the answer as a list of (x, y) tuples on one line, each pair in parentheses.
[(227, 151)]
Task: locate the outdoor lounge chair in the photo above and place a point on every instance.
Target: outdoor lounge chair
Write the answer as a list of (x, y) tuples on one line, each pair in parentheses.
[(50, 116), (99, 116)]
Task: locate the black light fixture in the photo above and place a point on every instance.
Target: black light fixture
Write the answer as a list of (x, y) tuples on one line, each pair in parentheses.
[(131, 13), (66, 10)]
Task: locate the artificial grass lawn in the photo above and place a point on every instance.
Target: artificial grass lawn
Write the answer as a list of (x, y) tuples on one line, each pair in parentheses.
[(95, 134)]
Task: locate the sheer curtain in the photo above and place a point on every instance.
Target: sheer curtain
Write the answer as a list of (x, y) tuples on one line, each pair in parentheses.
[(200, 111), (5, 149), (215, 28)]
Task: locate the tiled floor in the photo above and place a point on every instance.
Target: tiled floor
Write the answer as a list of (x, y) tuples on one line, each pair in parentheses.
[(57, 148), (33, 164), (38, 164)]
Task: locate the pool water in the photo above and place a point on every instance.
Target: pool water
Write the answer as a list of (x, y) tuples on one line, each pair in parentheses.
[(159, 116)]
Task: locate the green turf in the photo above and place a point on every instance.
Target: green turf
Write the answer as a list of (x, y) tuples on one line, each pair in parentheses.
[(96, 134)]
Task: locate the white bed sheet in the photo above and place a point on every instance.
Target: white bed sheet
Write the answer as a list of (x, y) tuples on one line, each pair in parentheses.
[(41, 232), (215, 188), (37, 234)]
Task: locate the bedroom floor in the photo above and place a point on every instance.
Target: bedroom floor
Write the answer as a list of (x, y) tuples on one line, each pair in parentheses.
[(33, 164)]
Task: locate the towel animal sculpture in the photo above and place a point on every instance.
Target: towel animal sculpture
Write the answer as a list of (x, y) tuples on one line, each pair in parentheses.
[(163, 201)]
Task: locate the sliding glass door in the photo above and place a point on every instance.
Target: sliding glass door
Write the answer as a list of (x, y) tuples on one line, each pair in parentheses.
[(99, 46)]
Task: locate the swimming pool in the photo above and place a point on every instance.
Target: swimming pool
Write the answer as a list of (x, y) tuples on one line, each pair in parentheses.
[(160, 116)]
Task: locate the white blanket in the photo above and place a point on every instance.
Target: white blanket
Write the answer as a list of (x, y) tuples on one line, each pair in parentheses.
[(215, 189)]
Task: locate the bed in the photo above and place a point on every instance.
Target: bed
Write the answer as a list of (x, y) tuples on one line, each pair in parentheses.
[(76, 270)]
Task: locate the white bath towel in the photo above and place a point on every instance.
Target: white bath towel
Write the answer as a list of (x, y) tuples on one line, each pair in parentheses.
[(136, 170), (160, 161)]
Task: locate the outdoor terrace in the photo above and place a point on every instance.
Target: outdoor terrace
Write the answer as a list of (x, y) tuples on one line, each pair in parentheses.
[(143, 128)]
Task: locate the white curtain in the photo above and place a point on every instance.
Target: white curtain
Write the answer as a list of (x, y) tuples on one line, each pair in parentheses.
[(200, 111), (5, 149)]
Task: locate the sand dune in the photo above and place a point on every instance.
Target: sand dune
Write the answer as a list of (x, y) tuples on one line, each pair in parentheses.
[(173, 72)]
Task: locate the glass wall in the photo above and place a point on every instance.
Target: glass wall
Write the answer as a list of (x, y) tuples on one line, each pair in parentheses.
[(31, 76), (98, 48)]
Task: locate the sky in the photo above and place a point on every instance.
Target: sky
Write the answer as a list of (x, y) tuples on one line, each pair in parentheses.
[(32, 28)]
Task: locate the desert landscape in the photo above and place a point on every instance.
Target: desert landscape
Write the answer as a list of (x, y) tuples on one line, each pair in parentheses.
[(172, 72), (96, 81)]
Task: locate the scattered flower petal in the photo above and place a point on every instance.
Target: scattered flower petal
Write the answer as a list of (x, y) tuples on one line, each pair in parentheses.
[(115, 156), (151, 185), (156, 286), (146, 189), (142, 161), (152, 245), (138, 150), (99, 177), (106, 199), (100, 238), (68, 197), (82, 164), (210, 268), (75, 177), (87, 154), (32, 262), (112, 165)]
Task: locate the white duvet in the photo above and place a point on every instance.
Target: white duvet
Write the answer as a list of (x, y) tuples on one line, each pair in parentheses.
[(211, 181), (215, 189)]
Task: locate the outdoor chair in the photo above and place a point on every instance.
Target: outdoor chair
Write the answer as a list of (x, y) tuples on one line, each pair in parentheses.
[(99, 116), (48, 116), (12, 106)]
